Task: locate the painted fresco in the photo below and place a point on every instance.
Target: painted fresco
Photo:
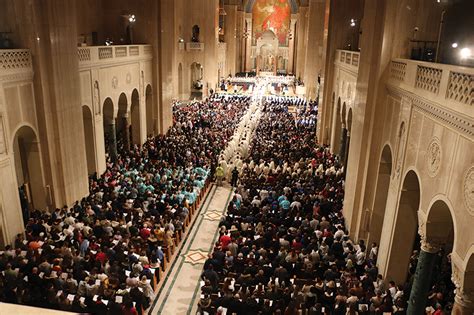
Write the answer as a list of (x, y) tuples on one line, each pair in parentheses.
[(272, 15)]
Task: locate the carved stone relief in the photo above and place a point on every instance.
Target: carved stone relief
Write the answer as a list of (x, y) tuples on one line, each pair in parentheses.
[(433, 157), (114, 82), (468, 190)]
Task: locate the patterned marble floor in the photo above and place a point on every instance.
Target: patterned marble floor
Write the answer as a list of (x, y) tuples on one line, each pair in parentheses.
[(180, 291)]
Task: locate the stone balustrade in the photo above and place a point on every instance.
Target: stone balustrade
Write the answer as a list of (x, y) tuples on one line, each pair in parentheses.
[(15, 61), (120, 53), (349, 59), (447, 85)]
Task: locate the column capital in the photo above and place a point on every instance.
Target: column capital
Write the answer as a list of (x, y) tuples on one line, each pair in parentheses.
[(430, 246), (464, 299)]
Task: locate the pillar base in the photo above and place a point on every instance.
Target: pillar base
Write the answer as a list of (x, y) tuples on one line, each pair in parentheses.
[(463, 304)]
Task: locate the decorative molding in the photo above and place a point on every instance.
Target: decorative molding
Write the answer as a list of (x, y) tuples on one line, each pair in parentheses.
[(96, 97), (17, 77), (3, 139), (430, 246), (114, 82), (461, 123), (128, 78), (468, 190), (401, 141), (433, 157)]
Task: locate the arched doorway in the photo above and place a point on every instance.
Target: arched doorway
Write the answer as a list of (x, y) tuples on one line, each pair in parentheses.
[(266, 59), (180, 80), (110, 136), (381, 194), (89, 139), (343, 140), (135, 118), (347, 140), (405, 229), (196, 80), (337, 127), (150, 115), (122, 121), (437, 239), (26, 151)]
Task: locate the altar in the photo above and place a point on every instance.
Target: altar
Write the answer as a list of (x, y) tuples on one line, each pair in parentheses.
[(266, 73)]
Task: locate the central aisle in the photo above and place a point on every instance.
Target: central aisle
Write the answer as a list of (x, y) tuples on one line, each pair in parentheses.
[(180, 289)]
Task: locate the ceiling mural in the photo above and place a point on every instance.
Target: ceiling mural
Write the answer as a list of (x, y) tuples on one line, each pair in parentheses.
[(273, 15)]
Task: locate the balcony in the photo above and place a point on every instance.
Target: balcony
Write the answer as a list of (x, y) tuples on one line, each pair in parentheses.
[(15, 63), (452, 87), (192, 46), (88, 56), (348, 59)]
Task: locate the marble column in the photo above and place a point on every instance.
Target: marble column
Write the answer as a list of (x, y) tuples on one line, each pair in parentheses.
[(291, 45), (248, 44), (342, 150), (112, 141), (126, 134), (423, 276)]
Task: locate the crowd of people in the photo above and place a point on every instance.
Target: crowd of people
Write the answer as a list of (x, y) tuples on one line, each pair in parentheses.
[(283, 245), (101, 255)]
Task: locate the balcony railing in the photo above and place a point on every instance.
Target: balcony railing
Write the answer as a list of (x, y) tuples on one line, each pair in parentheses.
[(94, 54), (192, 46), (448, 85), (348, 58), (15, 60)]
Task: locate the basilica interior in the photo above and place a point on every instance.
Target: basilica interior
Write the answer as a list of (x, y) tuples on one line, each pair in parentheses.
[(237, 156)]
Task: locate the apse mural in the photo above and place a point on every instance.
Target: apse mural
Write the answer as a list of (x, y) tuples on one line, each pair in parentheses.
[(272, 15)]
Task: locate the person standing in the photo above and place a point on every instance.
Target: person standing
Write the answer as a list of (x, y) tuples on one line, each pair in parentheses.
[(235, 177), (219, 175)]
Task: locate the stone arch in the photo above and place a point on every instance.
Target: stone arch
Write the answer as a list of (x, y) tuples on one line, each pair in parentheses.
[(405, 228), (135, 118), (440, 223), (110, 140), (437, 239), (28, 169), (121, 121), (343, 139), (197, 72), (347, 140), (343, 115), (150, 113), (381, 194), (88, 121)]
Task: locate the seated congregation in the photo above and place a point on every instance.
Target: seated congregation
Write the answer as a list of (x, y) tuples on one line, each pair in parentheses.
[(105, 254), (283, 246)]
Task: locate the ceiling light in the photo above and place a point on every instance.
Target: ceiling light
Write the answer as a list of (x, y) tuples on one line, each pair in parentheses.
[(454, 45), (465, 53)]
